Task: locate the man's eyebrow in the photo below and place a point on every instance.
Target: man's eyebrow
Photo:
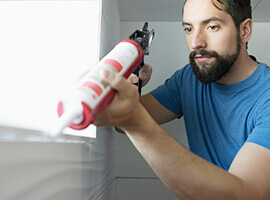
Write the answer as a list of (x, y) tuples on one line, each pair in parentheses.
[(212, 19), (205, 21), (185, 24)]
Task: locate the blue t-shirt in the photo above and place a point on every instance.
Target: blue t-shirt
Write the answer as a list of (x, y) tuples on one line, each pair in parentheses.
[(220, 119)]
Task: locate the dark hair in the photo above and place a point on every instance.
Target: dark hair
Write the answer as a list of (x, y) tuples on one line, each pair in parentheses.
[(240, 10)]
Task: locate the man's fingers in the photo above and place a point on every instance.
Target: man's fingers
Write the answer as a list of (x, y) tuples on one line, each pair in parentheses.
[(117, 82), (133, 78), (145, 74)]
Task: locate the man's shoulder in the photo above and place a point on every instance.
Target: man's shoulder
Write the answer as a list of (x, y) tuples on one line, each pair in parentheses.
[(264, 72), (262, 87), (265, 67)]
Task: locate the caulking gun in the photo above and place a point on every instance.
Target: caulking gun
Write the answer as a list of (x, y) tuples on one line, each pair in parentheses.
[(81, 106)]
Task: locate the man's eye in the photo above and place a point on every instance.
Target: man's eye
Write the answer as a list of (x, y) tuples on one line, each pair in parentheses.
[(188, 29), (213, 28)]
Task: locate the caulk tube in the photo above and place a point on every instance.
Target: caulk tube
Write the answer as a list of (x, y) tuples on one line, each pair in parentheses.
[(92, 94)]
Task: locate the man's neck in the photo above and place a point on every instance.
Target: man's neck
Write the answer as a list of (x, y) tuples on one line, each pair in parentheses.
[(243, 68)]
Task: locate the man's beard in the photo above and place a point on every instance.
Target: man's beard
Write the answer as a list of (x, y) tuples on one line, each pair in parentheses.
[(210, 73)]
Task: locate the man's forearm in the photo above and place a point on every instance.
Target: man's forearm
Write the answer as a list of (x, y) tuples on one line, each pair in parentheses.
[(184, 173)]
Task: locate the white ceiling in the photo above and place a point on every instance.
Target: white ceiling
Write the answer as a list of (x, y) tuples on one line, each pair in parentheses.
[(171, 10)]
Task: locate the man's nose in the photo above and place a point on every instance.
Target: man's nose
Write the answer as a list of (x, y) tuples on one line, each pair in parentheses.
[(198, 40)]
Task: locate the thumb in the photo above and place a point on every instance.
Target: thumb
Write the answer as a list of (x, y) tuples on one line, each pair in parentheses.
[(133, 78), (118, 82)]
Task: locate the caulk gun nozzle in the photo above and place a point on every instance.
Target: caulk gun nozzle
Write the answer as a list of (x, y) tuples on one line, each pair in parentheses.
[(65, 120)]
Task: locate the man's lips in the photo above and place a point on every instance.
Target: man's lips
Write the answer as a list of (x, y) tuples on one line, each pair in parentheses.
[(200, 58)]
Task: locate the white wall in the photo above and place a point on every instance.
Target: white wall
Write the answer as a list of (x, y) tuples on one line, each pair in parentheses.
[(35, 168), (167, 54), (259, 44), (110, 26), (105, 150)]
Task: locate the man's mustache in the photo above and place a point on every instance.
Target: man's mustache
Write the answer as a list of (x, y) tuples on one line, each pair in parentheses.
[(203, 52)]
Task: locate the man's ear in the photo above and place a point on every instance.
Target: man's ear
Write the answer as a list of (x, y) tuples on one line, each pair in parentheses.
[(246, 30)]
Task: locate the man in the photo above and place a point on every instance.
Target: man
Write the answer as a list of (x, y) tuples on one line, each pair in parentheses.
[(224, 96)]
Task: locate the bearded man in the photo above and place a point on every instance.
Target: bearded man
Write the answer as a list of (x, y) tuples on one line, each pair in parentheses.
[(224, 97)]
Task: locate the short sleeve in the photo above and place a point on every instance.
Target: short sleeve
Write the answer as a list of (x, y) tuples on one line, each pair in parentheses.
[(169, 94), (261, 133)]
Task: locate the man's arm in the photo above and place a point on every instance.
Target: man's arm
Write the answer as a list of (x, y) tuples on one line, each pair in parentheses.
[(251, 164), (157, 111), (186, 174), (191, 177)]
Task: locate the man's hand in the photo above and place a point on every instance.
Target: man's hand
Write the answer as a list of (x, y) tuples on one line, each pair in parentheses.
[(121, 111), (144, 74)]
